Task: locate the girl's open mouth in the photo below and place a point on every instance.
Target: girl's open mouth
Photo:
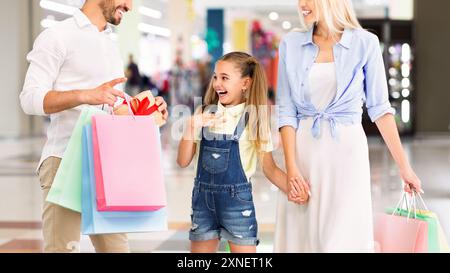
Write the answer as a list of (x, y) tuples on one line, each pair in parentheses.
[(222, 93)]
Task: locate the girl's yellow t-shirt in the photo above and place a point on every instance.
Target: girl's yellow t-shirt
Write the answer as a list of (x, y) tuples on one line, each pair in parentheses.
[(248, 152)]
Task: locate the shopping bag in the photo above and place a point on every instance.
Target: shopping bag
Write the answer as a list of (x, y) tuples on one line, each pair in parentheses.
[(127, 163), (442, 243), (95, 222), (429, 217), (437, 240), (66, 187), (397, 233)]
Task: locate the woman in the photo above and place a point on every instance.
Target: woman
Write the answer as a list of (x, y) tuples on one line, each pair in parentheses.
[(326, 73)]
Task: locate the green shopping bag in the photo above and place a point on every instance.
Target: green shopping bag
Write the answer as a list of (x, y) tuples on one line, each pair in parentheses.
[(66, 187), (443, 244)]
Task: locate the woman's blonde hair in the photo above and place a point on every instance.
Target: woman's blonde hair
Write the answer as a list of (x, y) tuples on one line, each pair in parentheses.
[(337, 15), (256, 97)]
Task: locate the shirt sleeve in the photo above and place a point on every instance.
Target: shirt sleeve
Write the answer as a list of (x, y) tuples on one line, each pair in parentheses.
[(376, 89), (287, 115), (45, 60)]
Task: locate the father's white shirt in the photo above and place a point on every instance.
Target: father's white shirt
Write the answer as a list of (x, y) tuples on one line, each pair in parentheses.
[(71, 55)]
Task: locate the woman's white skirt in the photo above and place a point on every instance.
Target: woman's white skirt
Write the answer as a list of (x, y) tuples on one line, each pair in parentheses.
[(338, 216)]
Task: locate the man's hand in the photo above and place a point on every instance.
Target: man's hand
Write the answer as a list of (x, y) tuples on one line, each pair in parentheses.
[(104, 94), (162, 108)]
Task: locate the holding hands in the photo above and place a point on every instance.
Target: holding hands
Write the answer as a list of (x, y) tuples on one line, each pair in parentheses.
[(299, 190)]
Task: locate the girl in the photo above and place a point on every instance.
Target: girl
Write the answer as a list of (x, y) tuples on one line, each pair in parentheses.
[(325, 75), (228, 147)]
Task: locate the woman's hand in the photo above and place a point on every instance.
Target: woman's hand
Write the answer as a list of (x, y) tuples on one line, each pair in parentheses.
[(300, 192), (298, 188), (412, 182)]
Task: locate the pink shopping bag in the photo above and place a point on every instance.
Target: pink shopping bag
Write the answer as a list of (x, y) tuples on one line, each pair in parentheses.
[(397, 234), (127, 164)]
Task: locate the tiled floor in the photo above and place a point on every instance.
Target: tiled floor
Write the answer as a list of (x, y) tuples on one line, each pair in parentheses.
[(20, 198)]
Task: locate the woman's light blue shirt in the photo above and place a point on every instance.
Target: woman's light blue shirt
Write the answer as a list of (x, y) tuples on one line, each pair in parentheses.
[(360, 78)]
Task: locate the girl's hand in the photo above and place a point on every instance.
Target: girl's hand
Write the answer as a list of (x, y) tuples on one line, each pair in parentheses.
[(412, 182), (195, 123), (300, 192), (206, 120)]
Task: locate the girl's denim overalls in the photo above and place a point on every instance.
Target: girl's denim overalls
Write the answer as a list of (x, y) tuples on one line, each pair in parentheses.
[(222, 201)]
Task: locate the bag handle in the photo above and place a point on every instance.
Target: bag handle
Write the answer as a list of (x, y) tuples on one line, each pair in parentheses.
[(128, 101), (404, 200), (412, 206), (414, 200), (415, 194)]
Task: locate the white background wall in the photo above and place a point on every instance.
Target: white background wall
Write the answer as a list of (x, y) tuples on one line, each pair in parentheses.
[(14, 44)]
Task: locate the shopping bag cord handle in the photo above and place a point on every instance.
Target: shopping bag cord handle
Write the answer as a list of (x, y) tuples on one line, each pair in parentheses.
[(128, 101)]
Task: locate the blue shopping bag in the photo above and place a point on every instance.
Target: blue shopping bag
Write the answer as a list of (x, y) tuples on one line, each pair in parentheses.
[(95, 222)]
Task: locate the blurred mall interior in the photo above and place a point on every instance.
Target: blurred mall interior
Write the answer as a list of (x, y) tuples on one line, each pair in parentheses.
[(174, 43)]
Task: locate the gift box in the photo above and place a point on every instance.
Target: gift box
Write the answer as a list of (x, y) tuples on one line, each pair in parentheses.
[(142, 105)]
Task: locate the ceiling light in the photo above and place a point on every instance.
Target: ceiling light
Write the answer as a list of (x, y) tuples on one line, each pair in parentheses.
[(150, 29), (152, 13), (273, 16), (287, 25), (57, 7)]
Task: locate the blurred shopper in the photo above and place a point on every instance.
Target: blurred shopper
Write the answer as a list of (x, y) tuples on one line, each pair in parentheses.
[(73, 63), (228, 145), (205, 75), (165, 87), (133, 85), (148, 84), (326, 73)]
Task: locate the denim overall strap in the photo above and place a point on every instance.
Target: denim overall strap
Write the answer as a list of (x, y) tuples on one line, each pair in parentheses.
[(243, 122), (219, 158)]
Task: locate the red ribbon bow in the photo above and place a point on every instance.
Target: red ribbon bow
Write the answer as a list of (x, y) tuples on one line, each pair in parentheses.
[(140, 108)]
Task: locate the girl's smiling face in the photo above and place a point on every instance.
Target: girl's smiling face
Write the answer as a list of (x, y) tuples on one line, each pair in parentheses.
[(229, 84)]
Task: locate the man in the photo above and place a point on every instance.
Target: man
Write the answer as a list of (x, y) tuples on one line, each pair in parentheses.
[(72, 64)]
